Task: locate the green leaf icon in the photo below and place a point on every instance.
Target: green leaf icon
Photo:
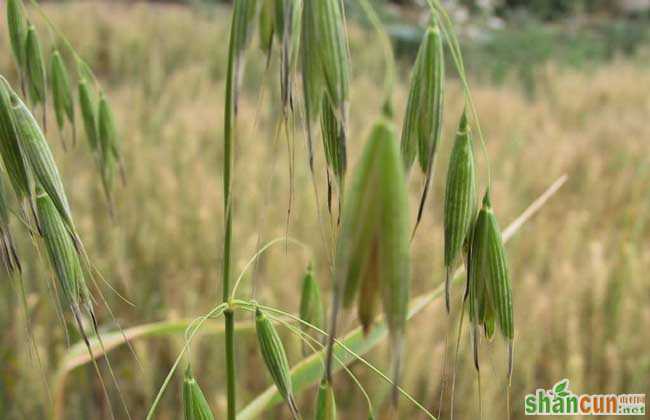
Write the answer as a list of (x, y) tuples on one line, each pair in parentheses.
[(560, 388)]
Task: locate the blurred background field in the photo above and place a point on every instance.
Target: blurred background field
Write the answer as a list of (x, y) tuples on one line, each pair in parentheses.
[(563, 90)]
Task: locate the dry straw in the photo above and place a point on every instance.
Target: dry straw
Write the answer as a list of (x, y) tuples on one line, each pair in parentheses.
[(275, 359), (195, 406), (460, 199)]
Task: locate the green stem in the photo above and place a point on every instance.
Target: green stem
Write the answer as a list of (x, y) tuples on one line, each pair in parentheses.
[(227, 243), (229, 317)]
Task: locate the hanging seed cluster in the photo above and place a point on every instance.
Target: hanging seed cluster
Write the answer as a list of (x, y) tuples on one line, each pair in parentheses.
[(326, 79), (476, 236), (489, 286), (8, 253), (372, 258), (32, 171), (311, 304), (275, 359), (31, 168), (460, 200), (422, 127), (37, 77)]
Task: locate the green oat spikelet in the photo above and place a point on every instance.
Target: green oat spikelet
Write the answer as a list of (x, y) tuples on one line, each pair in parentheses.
[(88, 115), (430, 118), (16, 23), (499, 283), (37, 151), (312, 79), (15, 163), (266, 27), (409, 145), (490, 290), (325, 402), (62, 254), (62, 95), (275, 359), (460, 199), (423, 119), (7, 248), (333, 133), (311, 304), (332, 40), (195, 406), (368, 301), (240, 34), (35, 67), (477, 275), (109, 143), (288, 10), (376, 215)]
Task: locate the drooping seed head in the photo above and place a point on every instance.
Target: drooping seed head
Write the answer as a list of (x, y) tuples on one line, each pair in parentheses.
[(478, 270), (275, 358), (423, 119), (409, 143), (61, 91), (334, 140), (14, 161), (195, 405), (460, 198), (35, 67), (88, 115), (108, 141), (376, 215), (500, 287), (243, 24), (369, 290), (8, 253), (325, 402), (266, 25), (311, 304), (333, 47), (312, 78), (62, 253), (432, 98), (37, 152), (16, 23)]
